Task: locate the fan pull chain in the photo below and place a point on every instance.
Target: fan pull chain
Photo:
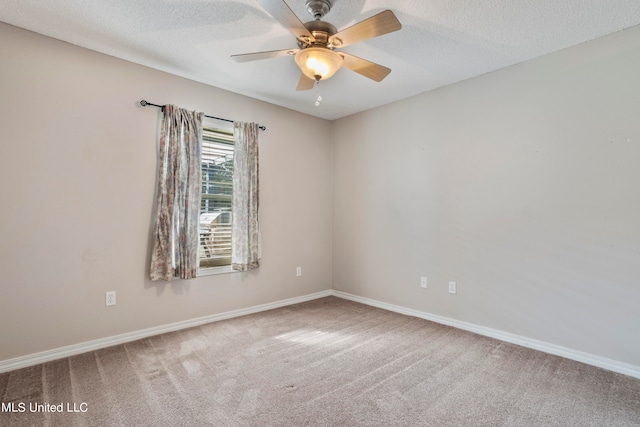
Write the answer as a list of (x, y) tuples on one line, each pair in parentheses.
[(318, 97)]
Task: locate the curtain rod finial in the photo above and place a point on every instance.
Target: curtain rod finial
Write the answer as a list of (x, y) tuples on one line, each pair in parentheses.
[(143, 103)]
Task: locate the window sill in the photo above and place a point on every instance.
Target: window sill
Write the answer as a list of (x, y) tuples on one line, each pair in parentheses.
[(216, 270)]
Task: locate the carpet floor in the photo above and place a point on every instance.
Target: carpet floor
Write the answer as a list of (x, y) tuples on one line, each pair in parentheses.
[(327, 362)]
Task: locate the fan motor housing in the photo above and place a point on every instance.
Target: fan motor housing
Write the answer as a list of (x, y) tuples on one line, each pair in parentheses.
[(321, 31)]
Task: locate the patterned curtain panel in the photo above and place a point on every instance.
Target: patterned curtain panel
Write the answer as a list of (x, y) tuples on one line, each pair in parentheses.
[(245, 235), (175, 246)]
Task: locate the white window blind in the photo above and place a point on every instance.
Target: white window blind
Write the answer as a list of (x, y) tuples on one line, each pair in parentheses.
[(215, 202)]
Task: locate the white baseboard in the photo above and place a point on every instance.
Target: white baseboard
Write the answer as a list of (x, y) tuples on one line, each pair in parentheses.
[(579, 356), (72, 350)]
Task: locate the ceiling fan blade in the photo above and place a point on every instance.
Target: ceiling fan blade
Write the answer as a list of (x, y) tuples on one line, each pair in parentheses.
[(284, 15), (382, 23), (366, 68), (305, 83), (246, 57)]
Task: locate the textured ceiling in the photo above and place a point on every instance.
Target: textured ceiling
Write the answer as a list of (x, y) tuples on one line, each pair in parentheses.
[(441, 42)]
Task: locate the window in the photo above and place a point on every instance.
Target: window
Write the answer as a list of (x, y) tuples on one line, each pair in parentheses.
[(216, 198)]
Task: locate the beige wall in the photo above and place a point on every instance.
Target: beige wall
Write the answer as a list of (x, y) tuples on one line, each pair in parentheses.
[(77, 169), (522, 185)]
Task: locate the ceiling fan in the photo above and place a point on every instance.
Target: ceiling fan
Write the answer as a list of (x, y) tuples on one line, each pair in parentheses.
[(317, 41)]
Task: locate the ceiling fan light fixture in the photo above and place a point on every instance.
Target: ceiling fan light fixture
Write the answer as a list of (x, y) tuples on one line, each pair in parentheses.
[(318, 61)]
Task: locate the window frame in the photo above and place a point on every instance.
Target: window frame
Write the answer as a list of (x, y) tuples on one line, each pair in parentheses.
[(222, 127)]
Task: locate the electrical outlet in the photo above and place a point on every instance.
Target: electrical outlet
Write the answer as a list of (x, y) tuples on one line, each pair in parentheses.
[(452, 287), (110, 298), (298, 271), (423, 282)]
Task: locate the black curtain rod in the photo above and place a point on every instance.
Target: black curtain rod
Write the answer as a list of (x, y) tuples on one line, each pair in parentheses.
[(144, 103)]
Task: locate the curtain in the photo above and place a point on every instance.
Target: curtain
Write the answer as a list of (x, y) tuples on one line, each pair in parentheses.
[(175, 246), (246, 248)]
